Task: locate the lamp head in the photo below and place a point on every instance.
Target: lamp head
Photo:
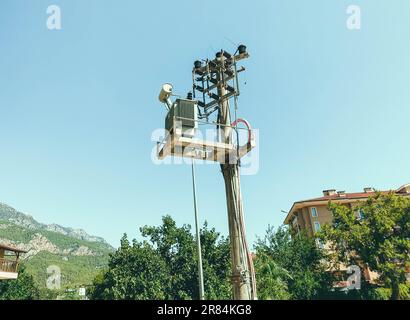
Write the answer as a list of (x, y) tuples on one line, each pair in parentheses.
[(166, 92)]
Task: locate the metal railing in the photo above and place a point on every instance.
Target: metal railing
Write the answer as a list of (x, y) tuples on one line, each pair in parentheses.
[(8, 265)]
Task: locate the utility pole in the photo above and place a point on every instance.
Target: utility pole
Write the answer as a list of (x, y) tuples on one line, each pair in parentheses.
[(215, 84), (198, 238), (242, 265)]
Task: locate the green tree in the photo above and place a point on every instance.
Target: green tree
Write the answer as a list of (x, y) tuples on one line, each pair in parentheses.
[(23, 288), (379, 239), (271, 279), (164, 266), (295, 265), (134, 272)]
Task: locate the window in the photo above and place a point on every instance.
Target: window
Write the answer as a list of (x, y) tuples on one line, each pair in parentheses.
[(361, 214), (313, 212), (317, 226)]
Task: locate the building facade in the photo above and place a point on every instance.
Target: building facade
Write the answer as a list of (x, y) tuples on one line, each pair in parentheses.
[(310, 215)]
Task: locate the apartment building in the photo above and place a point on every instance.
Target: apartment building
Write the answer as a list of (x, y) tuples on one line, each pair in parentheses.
[(310, 215)]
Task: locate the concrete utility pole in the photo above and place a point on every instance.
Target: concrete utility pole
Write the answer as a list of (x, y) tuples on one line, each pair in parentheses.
[(242, 265)]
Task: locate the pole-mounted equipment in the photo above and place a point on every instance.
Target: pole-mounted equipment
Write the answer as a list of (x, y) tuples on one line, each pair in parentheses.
[(214, 85)]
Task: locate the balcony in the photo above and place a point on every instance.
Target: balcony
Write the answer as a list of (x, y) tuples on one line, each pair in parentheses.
[(8, 269), (8, 265), (9, 262)]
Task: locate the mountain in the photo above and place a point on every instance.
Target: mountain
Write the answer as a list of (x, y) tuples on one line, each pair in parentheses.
[(79, 256), (24, 220)]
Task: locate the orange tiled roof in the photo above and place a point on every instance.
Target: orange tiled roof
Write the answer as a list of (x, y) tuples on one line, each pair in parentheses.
[(342, 196), (354, 195)]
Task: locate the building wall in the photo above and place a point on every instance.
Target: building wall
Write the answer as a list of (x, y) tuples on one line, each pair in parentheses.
[(308, 222), (324, 216), (305, 220)]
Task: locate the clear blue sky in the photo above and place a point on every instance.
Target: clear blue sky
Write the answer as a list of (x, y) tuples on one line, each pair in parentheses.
[(77, 106)]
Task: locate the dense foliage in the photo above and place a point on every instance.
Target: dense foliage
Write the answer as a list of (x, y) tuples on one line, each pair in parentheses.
[(23, 288), (291, 267), (76, 271), (164, 266), (378, 237)]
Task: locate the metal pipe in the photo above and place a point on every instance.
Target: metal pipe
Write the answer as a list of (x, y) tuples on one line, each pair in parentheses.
[(198, 238)]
